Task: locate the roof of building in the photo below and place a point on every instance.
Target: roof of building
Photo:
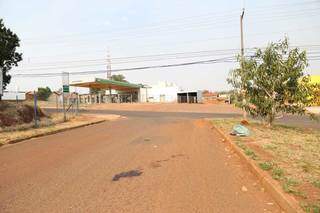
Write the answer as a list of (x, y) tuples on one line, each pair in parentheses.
[(315, 79), (100, 83)]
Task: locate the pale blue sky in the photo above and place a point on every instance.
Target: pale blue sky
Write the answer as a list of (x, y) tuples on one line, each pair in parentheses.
[(55, 31)]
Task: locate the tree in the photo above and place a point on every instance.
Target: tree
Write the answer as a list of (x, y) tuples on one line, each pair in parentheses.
[(44, 93), (272, 81), (9, 56), (119, 78)]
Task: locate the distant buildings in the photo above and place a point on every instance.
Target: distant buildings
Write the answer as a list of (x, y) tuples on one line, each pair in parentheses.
[(13, 96), (161, 92)]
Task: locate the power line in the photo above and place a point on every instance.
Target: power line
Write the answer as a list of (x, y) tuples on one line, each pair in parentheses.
[(148, 58), (225, 59), (211, 61)]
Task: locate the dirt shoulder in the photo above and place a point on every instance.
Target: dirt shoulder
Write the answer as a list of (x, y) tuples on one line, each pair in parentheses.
[(57, 125), (290, 155)]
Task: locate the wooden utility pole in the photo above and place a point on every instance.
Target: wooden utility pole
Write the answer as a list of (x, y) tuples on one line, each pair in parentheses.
[(241, 31), (242, 58)]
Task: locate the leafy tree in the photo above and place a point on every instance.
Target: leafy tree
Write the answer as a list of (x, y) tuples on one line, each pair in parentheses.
[(44, 93), (119, 78), (272, 81), (9, 57)]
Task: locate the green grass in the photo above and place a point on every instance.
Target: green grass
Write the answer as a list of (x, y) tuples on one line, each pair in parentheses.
[(289, 185), (311, 208), (247, 151), (251, 154), (267, 165), (297, 150), (277, 173), (316, 183)]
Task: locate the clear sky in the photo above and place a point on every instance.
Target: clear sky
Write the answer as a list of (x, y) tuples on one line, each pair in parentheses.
[(76, 35)]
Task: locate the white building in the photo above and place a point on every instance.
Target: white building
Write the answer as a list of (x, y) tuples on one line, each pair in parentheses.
[(161, 92), (12, 96)]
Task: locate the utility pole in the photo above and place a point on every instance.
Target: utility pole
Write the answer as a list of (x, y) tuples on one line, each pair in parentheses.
[(108, 66), (242, 58), (241, 31), (109, 73)]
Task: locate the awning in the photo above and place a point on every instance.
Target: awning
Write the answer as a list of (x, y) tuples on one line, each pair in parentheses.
[(100, 83)]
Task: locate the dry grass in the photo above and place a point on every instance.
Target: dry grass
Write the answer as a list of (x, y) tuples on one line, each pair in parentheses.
[(290, 155), (55, 124)]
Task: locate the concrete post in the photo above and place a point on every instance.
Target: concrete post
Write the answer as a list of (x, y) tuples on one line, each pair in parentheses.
[(110, 98), (187, 97)]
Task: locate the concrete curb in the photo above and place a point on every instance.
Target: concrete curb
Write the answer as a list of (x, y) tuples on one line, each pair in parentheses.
[(285, 201), (52, 132)]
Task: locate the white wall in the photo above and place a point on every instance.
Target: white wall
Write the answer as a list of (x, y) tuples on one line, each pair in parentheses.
[(10, 96), (163, 92), (143, 95)]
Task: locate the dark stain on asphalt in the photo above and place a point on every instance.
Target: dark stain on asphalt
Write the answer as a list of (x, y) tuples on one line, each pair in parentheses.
[(178, 155), (128, 174), (154, 165), (164, 160)]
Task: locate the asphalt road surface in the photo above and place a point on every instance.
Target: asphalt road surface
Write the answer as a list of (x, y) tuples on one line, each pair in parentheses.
[(140, 164), (288, 120)]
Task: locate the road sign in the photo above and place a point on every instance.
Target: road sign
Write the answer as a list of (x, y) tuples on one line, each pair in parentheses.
[(66, 88)]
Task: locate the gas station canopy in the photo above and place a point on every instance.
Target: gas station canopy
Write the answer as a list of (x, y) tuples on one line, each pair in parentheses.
[(100, 83)]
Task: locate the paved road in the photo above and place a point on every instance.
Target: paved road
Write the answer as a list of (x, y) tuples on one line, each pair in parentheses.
[(131, 165), (288, 120)]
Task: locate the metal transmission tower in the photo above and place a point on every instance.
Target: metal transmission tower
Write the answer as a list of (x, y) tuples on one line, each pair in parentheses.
[(108, 66)]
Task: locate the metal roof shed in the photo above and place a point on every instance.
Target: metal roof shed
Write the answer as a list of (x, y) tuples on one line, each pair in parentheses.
[(100, 83)]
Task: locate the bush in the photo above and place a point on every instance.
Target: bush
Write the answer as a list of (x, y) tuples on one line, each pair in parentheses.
[(43, 93)]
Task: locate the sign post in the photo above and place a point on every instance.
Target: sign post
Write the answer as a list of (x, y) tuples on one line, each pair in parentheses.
[(65, 91)]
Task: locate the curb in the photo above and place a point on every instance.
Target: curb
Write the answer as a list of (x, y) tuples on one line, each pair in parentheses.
[(285, 201), (51, 133)]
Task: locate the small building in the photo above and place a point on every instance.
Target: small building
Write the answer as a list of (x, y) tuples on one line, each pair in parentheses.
[(315, 79), (13, 96), (190, 96), (161, 92), (111, 91)]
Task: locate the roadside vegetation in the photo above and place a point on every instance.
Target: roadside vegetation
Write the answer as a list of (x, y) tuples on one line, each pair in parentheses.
[(18, 130), (290, 155), (14, 114), (273, 81)]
